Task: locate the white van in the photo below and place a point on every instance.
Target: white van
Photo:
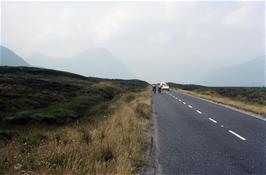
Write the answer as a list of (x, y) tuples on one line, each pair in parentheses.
[(164, 86)]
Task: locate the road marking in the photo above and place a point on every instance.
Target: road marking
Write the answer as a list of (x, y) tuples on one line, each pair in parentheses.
[(179, 100), (222, 126), (184, 103), (189, 106), (239, 136), (214, 121), (199, 112)]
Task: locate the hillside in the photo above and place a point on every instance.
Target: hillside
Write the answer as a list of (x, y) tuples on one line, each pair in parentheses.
[(54, 122), (248, 74), (9, 58), (33, 95), (96, 62)]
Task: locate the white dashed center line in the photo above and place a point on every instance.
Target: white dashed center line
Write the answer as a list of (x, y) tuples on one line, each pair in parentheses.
[(199, 112), (235, 134), (214, 121)]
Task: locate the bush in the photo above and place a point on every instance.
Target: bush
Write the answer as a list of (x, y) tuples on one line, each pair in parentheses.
[(105, 154), (85, 136), (143, 110), (34, 139), (57, 160), (6, 136), (61, 137)]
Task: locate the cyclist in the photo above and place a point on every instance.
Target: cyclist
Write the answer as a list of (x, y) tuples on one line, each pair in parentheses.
[(154, 88)]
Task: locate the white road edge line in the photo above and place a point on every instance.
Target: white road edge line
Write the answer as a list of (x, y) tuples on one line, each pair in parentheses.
[(189, 106), (199, 112), (184, 103), (179, 100), (239, 136), (214, 121)]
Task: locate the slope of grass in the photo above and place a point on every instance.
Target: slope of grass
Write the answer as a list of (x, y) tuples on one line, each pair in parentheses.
[(111, 143), (252, 99), (60, 123), (32, 95)]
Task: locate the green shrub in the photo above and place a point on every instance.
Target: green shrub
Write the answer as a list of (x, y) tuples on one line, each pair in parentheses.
[(143, 110), (6, 136), (61, 137), (34, 138), (57, 160), (4, 163), (85, 136), (105, 154)]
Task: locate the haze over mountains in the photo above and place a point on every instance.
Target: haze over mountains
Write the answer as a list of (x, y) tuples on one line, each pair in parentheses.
[(251, 73), (99, 62), (95, 62), (9, 58)]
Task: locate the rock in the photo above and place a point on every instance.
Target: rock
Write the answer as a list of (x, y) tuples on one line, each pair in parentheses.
[(18, 167)]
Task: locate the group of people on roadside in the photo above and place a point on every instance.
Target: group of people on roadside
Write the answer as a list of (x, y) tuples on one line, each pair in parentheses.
[(154, 88)]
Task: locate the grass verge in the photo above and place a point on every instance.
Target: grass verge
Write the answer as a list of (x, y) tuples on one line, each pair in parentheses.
[(108, 143), (243, 104)]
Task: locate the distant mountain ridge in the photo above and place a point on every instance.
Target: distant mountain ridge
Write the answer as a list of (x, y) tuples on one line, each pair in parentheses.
[(10, 58), (249, 74), (96, 62)]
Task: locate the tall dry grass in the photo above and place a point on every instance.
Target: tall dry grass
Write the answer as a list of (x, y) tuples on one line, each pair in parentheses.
[(112, 145), (255, 108)]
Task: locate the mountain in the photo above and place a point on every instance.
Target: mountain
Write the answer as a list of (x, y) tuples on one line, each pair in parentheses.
[(94, 62), (248, 74), (9, 58)]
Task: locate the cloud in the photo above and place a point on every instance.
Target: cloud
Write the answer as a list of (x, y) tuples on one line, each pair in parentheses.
[(105, 26), (243, 16), (71, 23), (238, 18), (161, 38), (184, 38), (191, 33)]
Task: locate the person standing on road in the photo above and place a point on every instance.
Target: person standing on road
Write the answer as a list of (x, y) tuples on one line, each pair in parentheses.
[(159, 89), (154, 88)]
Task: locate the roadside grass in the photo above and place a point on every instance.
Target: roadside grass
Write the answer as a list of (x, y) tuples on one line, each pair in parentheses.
[(54, 122), (241, 101), (109, 142)]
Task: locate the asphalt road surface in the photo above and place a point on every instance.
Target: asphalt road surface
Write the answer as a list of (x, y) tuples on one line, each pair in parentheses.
[(198, 137)]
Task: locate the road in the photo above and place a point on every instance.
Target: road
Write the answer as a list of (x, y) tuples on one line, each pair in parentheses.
[(195, 136)]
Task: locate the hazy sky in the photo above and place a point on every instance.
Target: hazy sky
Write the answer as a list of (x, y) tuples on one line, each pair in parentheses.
[(170, 41)]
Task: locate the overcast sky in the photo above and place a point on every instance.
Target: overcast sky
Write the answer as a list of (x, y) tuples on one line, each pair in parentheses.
[(170, 41)]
